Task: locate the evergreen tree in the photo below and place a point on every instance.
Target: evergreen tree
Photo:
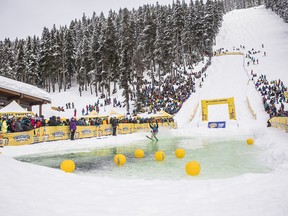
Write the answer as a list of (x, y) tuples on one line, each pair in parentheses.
[(125, 57), (148, 41), (7, 60), (107, 49), (20, 63), (178, 25), (199, 29), (69, 55), (95, 57), (31, 61)]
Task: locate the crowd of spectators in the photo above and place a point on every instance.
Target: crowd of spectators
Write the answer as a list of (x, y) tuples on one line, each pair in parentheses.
[(273, 97), (173, 92), (9, 124)]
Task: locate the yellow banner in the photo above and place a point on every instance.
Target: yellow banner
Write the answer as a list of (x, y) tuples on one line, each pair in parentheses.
[(87, 131), (15, 139), (53, 133), (17, 114), (125, 128), (229, 101), (286, 94), (229, 53), (279, 122), (141, 127), (105, 130)]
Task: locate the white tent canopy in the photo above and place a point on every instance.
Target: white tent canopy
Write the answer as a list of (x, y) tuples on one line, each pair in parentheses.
[(13, 108)]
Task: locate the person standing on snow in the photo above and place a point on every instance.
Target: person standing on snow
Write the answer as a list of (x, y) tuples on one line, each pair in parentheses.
[(73, 127), (114, 123)]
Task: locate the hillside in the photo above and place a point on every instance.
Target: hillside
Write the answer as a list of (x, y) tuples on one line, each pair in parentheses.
[(228, 75)]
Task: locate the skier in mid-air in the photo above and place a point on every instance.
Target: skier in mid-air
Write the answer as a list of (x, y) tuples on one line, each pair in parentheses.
[(154, 131)]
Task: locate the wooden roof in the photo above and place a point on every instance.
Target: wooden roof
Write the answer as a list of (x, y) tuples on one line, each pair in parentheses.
[(10, 95)]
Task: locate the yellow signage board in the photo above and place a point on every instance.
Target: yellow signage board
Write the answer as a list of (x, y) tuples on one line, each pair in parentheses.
[(229, 101), (53, 133)]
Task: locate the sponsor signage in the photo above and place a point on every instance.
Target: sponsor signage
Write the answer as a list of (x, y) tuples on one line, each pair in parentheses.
[(21, 137), (86, 131), (221, 124), (57, 134)]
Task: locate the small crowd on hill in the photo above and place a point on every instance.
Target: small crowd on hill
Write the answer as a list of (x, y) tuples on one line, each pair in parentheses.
[(173, 92), (273, 97)]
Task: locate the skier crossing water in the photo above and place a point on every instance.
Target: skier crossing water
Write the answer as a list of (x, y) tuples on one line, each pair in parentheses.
[(154, 131)]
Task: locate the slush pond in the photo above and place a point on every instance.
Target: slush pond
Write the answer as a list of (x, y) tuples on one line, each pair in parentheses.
[(218, 159)]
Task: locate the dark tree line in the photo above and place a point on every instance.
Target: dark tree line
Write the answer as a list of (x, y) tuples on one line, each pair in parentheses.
[(105, 53), (280, 7), (241, 4)]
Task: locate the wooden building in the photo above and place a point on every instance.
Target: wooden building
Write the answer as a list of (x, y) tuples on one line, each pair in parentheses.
[(24, 94)]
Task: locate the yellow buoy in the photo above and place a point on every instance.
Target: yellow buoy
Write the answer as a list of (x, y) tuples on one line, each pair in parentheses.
[(67, 166), (159, 155), (119, 159), (139, 153), (192, 168), (250, 141), (180, 153)]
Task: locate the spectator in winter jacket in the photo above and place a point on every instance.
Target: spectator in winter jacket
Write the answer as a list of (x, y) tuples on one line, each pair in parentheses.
[(4, 125), (52, 121), (114, 123), (18, 125), (73, 127), (43, 120), (32, 121), (59, 122), (38, 123)]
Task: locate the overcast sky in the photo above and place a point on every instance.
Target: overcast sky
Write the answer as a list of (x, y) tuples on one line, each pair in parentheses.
[(20, 18)]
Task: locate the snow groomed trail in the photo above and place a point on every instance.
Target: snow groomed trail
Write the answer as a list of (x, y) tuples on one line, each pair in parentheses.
[(226, 78)]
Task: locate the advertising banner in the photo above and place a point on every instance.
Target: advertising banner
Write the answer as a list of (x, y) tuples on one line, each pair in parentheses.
[(54, 133), (21, 138), (221, 124), (141, 127), (125, 128), (105, 130), (87, 131), (279, 122)]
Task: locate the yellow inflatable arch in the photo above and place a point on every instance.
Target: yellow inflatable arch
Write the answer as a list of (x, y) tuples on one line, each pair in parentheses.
[(229, 101)]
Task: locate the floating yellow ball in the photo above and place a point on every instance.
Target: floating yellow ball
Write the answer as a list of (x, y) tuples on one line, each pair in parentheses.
[(180, 153), (67, 166), (250, 141), (119, 159), (139, 153), (192, 168), (159, 155)]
